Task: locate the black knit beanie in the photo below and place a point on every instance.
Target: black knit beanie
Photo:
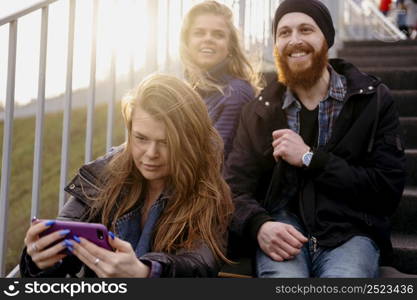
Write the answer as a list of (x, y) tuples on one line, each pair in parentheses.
[(313, 8)]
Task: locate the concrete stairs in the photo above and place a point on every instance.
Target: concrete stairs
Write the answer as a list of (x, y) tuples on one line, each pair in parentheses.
[(396, 65)]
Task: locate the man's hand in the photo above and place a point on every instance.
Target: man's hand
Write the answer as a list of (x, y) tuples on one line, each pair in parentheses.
[(289, 146), (280, 241)]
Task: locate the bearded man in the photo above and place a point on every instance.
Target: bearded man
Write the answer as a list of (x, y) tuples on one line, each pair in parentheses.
[(318, 163)]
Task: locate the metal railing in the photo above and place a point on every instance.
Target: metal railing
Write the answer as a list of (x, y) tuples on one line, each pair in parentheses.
[(12, 20), (363, 21), (7, 139), (169, 63)]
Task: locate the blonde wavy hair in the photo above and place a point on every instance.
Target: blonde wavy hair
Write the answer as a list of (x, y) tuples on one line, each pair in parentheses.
[(238, 65), (199, 206)]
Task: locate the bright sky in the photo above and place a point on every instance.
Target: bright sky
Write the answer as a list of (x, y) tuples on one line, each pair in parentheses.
[(122, 26), (118, 23)]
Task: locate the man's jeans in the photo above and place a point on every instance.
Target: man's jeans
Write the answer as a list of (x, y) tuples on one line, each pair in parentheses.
[(356, 258)]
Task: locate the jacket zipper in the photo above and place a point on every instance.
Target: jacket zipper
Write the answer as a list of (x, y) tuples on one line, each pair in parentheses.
[(311, 238), (315, 243)]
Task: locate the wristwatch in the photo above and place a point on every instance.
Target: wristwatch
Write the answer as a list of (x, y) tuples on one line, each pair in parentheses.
[(307, 157)]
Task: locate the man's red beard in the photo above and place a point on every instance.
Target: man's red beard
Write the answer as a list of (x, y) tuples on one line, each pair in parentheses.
[(305, 78)]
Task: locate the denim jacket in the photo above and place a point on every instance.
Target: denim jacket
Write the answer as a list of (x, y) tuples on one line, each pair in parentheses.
[(128, 227)]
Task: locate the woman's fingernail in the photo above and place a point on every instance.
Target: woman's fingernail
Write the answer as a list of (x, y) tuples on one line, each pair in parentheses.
[(64, 232), (76, 238), (49, 223), (34, 218), (111, 235), (68, 243)]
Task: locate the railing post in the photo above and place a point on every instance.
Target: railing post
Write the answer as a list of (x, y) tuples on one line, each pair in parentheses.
[(91, 100), (67, 106), (7, 144), (111, 101), (37, 162), (242, 12), (333, 7), (152, 49), (167, 38)]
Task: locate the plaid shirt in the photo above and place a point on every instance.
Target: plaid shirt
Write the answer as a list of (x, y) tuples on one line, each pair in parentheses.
[(329, 108)]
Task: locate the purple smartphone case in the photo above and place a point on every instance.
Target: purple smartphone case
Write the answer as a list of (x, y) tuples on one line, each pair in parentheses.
[(94, 232)]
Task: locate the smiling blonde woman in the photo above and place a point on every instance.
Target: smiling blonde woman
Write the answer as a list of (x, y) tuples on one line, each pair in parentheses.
[(216, 66)]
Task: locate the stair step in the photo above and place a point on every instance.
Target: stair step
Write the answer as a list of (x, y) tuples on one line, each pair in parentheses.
[(388, 61), (243, 266), (373, 43), (405, 252), (378, 51), (404, 219), (409, 128), (395, 78), (391, 272), (411, 167), (406, 102)]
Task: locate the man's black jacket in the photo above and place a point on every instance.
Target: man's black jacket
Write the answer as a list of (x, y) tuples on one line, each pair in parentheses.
[(352, 185)]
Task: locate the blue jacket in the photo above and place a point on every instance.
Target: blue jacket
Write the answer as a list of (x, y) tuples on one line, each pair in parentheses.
[(224, 109)]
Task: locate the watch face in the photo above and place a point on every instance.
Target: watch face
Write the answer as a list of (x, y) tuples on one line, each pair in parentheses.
[(307, 158)]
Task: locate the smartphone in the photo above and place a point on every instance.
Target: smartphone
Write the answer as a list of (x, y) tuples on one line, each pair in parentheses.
[(94, 232)]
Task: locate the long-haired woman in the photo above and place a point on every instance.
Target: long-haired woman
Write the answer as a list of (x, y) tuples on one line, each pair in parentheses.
[(216, 65), (161, 192)]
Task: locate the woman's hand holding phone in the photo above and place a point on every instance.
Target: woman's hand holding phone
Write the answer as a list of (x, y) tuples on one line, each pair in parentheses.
[(46, 249), (38, 247), (121, 263)]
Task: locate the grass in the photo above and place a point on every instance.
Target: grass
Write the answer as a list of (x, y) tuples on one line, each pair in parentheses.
[(20, 190)]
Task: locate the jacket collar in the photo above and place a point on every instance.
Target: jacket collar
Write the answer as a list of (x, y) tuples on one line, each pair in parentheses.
[(219, 72), (357, 81), (269, 103), (86, 184), (270, 97)]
